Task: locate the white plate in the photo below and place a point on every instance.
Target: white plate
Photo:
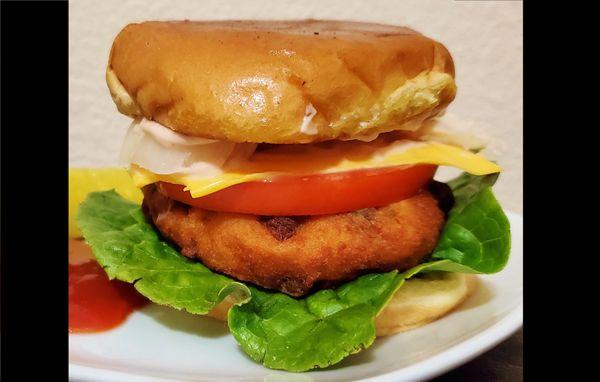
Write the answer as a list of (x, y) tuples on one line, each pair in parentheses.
[(161, 344)]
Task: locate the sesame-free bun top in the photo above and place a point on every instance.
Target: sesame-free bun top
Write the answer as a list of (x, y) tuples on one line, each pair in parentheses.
[(279, 81)]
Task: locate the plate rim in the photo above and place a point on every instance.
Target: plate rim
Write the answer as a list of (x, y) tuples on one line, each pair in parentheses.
[(458, 354), (431, 367)]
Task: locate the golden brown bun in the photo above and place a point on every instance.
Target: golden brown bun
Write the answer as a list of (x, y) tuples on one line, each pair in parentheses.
[(254, 81), (422, 300), (418, 302)]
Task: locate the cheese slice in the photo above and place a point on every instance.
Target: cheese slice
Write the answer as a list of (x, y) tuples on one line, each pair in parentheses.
[(305, 159)]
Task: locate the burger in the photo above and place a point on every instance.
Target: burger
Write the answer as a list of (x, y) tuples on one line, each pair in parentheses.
[(287, 169)]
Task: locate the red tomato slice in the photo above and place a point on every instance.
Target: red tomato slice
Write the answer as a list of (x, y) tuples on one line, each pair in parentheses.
[(316, 194)]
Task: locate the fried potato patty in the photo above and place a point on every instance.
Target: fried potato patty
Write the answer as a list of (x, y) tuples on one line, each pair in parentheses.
[(295, 255)]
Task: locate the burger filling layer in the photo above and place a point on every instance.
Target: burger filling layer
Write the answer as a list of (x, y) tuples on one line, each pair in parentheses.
[(303, 179), (298, 254)]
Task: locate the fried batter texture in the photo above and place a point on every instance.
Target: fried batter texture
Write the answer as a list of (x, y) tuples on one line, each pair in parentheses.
[(296, 255)]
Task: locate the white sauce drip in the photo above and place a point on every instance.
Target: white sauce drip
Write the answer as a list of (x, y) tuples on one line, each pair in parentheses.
[(307, 127)]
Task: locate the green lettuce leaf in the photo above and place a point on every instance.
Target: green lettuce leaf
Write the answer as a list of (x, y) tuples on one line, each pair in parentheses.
[(477, 232), (322, 329), (301, 334), (272, 328), (130, 250)]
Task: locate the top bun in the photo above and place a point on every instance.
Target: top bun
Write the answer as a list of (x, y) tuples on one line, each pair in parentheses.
[(279, 81)]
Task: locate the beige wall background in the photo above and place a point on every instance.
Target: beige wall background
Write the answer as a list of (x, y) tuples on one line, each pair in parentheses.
[(484, 37)]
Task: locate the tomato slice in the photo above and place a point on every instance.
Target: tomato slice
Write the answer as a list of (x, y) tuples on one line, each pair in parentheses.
[(316, 194)]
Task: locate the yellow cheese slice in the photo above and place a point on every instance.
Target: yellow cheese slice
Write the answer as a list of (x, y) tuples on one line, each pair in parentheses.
[(287, 160)]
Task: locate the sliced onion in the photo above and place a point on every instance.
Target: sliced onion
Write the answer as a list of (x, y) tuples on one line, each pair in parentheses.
[(164, 153), (168, 137), (454, 131)]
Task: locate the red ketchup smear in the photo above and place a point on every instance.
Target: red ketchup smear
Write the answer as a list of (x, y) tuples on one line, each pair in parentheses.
[(95, 302)]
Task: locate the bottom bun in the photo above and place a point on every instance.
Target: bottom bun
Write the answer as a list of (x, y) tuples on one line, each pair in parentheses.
[(420, 300), (423, 299)]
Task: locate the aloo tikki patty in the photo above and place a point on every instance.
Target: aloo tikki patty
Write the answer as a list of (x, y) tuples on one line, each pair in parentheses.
[(296, 255)]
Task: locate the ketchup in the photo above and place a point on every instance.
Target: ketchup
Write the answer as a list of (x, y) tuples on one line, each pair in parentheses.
[(95, 302)]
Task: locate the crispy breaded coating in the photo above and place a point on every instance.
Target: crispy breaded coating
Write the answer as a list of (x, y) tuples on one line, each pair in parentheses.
[(295, 255)]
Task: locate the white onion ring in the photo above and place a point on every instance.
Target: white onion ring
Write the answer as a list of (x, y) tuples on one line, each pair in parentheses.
[(162, 151)]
